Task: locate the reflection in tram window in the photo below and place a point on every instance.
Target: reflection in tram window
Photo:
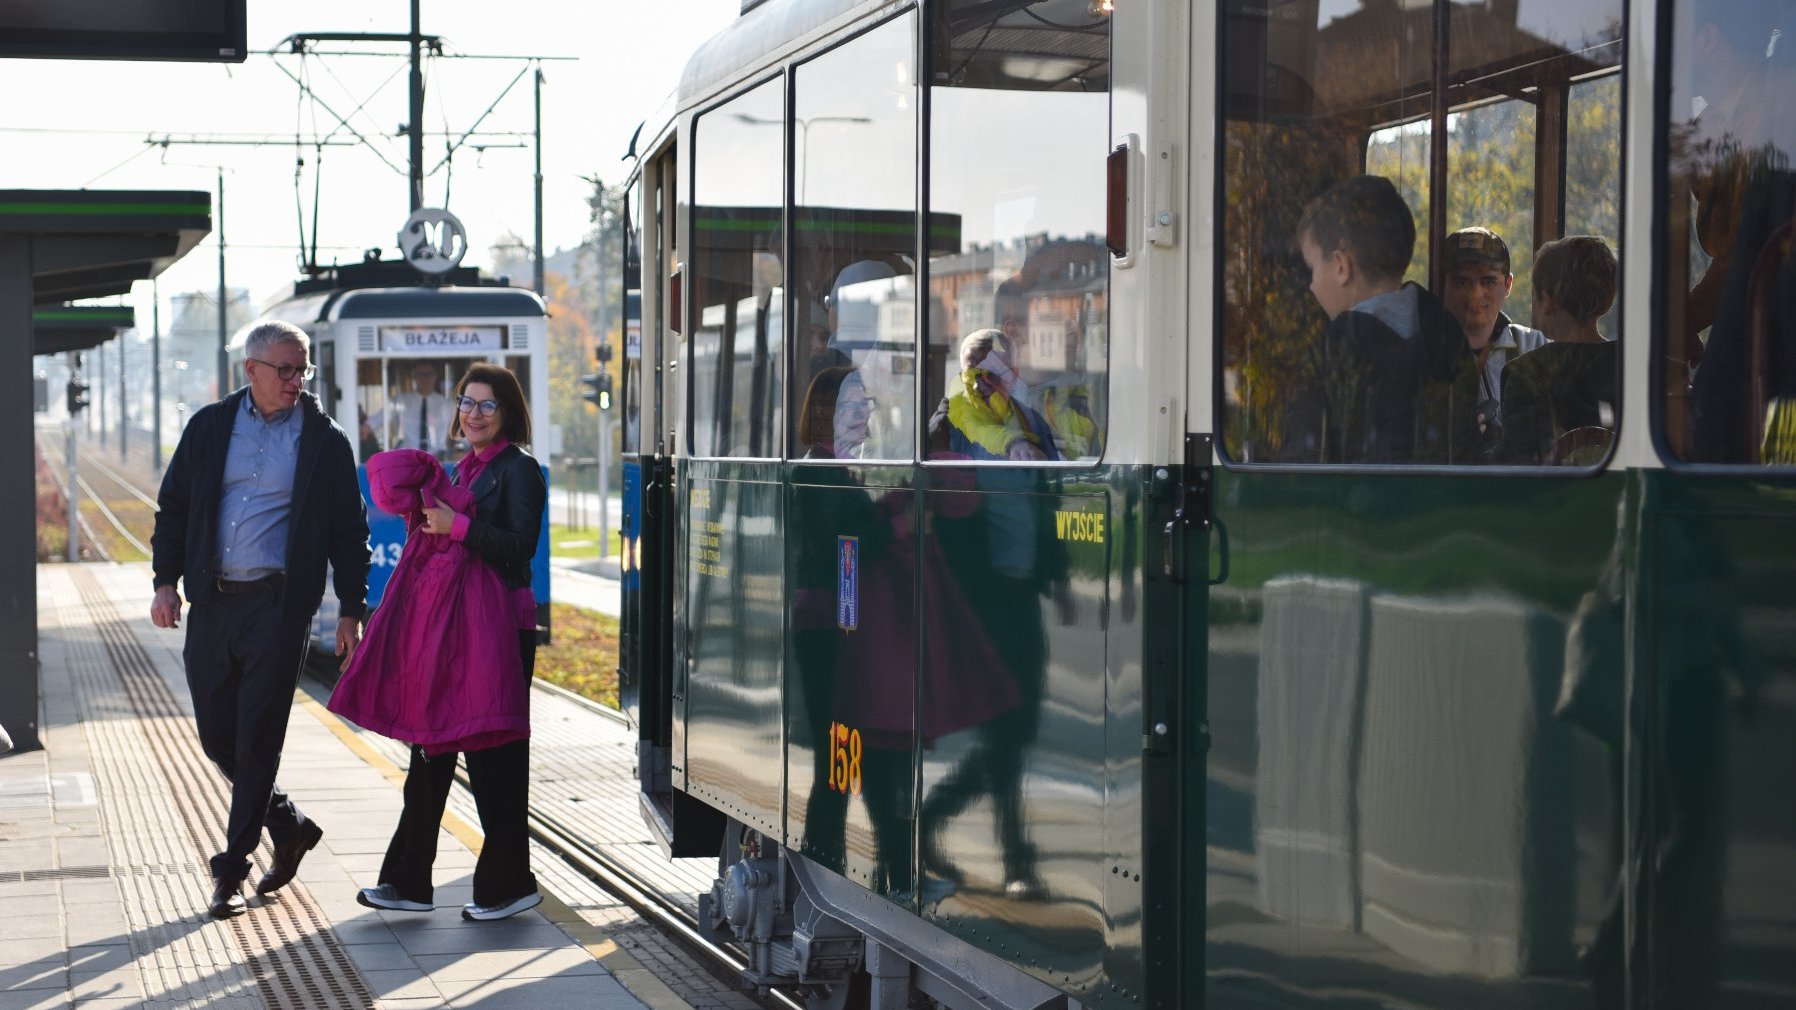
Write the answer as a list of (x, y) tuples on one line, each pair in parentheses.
[(1528, 149), (854, 236), (1031, 260), (738, 275), (1730, 333)]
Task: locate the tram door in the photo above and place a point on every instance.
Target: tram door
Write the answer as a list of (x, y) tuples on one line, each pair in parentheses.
[(648, 522)]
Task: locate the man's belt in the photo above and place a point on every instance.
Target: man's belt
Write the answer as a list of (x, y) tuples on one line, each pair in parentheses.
[(231, 586)]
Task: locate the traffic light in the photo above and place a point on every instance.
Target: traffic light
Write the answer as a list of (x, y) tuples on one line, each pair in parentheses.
[(601, 388), (77, 397), (598, 389)]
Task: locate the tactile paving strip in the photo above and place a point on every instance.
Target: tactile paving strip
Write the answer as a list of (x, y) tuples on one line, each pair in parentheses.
[(293, 960)]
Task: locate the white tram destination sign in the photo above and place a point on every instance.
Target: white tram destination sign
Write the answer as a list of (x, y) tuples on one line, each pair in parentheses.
[(442, 338)]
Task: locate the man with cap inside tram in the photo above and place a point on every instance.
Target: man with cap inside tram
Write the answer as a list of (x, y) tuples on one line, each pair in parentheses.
[(260, 495), (1478, 281)]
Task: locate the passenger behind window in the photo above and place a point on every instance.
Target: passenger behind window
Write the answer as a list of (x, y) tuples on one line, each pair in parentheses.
[(1478, 282), (1559, 402), (1382, 380), (420, 414), (987, 414)]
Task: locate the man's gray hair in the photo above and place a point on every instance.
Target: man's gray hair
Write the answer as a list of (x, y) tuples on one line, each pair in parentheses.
[(268, 334)]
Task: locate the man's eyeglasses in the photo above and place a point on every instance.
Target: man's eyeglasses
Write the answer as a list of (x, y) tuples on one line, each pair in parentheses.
[(285, 373), (468, 405)]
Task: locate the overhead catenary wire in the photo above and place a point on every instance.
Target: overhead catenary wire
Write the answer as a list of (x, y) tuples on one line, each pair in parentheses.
[(313, 94)]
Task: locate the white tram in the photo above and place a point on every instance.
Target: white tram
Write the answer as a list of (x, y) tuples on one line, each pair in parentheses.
[(389, 353)]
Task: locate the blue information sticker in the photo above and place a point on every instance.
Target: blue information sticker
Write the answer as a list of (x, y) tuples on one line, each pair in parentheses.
[(848, 583)]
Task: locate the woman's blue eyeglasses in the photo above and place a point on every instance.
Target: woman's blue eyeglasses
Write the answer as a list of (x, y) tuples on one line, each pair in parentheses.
[(468, 405)]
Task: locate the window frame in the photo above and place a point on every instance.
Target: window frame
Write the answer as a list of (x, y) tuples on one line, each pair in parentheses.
[(1427, 224), (689, 293)]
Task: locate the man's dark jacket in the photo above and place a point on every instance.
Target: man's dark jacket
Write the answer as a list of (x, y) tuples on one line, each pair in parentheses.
[(328, 521)]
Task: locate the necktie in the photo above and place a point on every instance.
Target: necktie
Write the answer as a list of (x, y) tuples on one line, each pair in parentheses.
[(423, 424)]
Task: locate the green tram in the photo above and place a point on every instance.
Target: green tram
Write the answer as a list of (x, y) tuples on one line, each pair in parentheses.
[(1017, 607)]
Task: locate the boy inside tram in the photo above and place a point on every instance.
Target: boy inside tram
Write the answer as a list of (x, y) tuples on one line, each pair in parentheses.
[(1391, 353)]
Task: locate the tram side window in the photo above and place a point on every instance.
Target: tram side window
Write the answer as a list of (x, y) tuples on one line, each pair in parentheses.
[(854, 241), (1379, 264), (1728, 347), (632, 390), (738, 276), (1017, 355)]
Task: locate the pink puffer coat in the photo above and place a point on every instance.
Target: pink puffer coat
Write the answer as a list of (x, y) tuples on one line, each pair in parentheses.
[(439, 665)]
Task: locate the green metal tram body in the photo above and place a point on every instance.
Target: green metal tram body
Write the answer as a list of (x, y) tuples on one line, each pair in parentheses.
[(1180, 720)]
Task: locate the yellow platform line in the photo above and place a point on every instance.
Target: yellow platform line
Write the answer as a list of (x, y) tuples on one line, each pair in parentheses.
[(629, 972)]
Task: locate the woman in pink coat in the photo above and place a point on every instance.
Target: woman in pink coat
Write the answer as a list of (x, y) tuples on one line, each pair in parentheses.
[(509, 493)]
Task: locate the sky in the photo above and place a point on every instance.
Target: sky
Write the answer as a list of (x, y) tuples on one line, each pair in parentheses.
[(73, 124)]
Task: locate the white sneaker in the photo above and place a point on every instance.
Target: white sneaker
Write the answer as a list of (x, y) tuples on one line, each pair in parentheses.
[(487, 913), (387, 897)]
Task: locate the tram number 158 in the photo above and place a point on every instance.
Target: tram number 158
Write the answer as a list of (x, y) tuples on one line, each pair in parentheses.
[(844, 759)]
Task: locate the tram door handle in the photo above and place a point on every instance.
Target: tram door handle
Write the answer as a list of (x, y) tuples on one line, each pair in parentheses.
[(1176, 550)]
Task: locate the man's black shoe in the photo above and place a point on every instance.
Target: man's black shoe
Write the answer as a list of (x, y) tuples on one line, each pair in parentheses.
[(227, 898), (287, 856)]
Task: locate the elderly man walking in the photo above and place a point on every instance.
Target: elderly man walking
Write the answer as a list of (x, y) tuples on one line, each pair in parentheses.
[(261, 493)]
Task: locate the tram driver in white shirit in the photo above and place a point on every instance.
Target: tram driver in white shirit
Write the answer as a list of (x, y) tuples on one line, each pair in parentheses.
[(420, 414)]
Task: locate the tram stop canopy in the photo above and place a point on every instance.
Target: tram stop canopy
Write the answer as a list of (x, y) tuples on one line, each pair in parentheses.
[(60, 246)]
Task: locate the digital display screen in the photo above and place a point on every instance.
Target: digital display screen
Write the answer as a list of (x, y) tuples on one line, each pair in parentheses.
[(201, 30)]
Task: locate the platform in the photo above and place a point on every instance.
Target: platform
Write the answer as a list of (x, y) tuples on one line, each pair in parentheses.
[(104, 835)]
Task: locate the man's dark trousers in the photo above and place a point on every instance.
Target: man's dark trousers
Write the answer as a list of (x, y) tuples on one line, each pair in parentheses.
[(243, 661)]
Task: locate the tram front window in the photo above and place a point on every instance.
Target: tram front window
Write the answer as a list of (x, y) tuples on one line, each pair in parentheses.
[(405, 403)]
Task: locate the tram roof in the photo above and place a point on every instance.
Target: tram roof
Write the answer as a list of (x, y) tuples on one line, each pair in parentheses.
[(763, 36), (408, 303)]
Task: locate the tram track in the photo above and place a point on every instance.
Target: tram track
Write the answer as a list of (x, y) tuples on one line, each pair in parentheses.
[(629, 887), (52, 446), (612, 875)]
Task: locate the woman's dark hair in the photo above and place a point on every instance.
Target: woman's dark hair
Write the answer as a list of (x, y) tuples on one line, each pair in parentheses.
[(512, 409)]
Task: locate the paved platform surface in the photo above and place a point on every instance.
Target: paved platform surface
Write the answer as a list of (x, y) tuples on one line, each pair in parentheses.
[(104, 834)]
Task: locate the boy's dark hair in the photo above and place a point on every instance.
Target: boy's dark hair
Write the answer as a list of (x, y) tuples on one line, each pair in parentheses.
[(1367, 217), (514, 414), (1579, 273)]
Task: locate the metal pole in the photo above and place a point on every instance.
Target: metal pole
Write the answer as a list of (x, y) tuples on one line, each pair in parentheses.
[(605, 430), (73, 492), (539, 180), (416, 125), (224, 334), (156, 376), (124, 413)]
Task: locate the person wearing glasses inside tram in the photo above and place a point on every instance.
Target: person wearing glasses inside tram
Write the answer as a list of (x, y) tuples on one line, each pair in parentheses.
[(259, 496), (1478, 282), (509, 494)]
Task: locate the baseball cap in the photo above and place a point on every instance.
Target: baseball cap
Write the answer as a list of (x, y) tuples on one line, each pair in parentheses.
[(1477, 247)]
